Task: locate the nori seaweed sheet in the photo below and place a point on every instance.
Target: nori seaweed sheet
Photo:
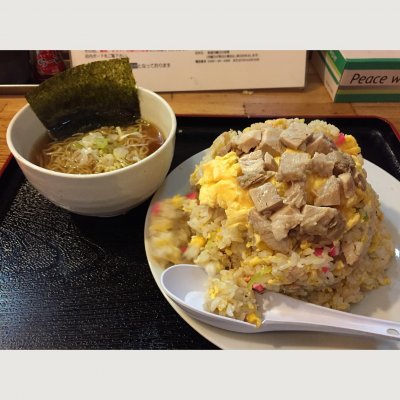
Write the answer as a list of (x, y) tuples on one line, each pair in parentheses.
[(86, 97)]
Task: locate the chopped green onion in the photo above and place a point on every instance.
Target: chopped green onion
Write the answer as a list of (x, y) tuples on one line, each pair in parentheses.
[(101, 142), (364, 215)]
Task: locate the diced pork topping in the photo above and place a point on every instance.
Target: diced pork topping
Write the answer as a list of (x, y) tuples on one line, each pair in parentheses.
[(320, 143), (252, 166), (347, 185), (245, 181), (324, 222), (295, 136), (265, 197), (342, 162), (252, 163), (248, 140), (295, 195), (269, 163), (293, 166), (270, 141), (359, 180), (262, 226), (284, 220), (352, 251), (322, 165), (296, 159), (223, 143), (329, 194)]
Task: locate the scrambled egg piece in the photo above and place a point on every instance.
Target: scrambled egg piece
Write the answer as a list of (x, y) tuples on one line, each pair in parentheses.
[(213, 291), (313, 184), (351, 216), (198, 241), (253, 318), (281, 186), (350, 145), (304, 245), (253, 261), (283, 123), (219, 188)]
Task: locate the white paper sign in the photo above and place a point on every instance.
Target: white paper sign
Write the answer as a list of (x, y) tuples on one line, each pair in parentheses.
[(185, 70)]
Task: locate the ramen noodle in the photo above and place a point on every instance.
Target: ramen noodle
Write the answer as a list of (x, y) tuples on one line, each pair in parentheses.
[(101, 150)]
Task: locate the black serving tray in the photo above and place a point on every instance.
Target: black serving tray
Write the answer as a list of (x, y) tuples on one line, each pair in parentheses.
[(74, 282)]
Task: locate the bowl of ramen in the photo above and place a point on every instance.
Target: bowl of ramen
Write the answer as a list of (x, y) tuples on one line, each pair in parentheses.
[(102, 172)]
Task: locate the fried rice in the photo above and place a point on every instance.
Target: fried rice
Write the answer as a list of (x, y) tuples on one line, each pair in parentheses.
[(247, 246)]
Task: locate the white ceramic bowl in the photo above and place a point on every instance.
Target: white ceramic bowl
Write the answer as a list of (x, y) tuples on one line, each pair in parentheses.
[(106, 194)]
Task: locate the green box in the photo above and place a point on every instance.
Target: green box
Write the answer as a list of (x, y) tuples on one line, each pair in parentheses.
[(359, 76)]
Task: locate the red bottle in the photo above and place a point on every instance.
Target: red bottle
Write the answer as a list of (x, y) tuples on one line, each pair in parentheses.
[(47, 64)]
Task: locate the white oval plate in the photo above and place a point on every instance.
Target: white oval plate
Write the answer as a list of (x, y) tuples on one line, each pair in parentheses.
[(383, 302)]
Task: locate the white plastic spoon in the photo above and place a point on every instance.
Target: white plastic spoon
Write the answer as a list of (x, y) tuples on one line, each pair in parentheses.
[(186, 285)]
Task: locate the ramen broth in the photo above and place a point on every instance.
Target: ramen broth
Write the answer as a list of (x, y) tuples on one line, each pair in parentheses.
[(101, 150)]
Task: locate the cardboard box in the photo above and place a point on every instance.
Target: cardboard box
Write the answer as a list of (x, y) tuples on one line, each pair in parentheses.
[(359, 76), (165, 71)]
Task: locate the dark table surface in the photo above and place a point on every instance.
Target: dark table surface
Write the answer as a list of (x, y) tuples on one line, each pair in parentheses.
[(75, 282)]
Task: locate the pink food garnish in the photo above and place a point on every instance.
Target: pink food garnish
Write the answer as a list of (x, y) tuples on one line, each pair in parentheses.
[(341, 139), (192, 195), (333, 251), (318, 251), (183, 249), (156, 208), (325, 270), (258, 287)]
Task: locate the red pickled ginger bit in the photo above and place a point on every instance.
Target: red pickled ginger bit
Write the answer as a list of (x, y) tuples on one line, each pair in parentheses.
[(183, 249), (325, 269), (192, 196), (258, 287), (318, 251), (332, 251), (156, 209), (341, 139)]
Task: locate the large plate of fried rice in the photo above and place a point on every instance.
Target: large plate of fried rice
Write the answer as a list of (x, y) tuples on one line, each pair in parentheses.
[(197, 216)]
